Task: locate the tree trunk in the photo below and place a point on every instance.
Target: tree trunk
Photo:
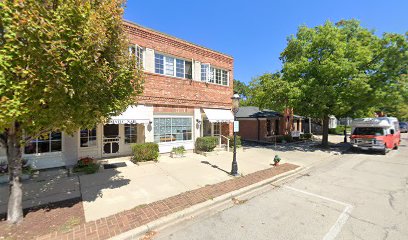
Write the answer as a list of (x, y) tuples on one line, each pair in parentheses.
[(15, 208), (325, 139)]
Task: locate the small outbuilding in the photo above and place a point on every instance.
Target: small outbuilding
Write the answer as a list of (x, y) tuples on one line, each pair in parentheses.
[(265, 125)]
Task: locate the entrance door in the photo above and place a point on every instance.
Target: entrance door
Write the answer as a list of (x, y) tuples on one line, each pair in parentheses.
[(211, 129), (111, 139)]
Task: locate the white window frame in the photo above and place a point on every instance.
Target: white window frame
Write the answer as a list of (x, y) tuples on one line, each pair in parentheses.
[(174, 116), (135, 55), (165, 56), (164, 64), (211, 75), (49, 142), (124, 133), (96, 138)]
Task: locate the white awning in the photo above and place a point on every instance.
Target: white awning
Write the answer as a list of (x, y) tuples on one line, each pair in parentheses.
[(132, 115), (219, 115)]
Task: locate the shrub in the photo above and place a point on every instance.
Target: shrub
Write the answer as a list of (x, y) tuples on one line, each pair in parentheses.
[(288, 138), (179, 150), (90, 168), (339, 130), (86, 165), (206, 144), (145, 152), (231, 138), (306, 136)]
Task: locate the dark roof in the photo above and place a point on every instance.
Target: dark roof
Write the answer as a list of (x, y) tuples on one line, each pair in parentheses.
[(255, 112)]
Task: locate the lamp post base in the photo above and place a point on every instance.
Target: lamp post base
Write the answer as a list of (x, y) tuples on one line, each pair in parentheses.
[(234, 169)]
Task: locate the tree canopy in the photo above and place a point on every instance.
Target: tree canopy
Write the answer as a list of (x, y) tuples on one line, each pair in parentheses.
[(63, 65), (338, 69)]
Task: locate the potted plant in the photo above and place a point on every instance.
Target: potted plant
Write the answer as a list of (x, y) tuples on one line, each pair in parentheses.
[(178, 152), (276, 160), (86, 165), (27, 171)]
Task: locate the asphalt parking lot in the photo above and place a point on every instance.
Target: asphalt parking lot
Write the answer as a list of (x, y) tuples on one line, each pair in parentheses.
[(360, 195)]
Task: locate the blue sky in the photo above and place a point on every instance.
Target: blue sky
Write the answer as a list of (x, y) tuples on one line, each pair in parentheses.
[(254, 32)]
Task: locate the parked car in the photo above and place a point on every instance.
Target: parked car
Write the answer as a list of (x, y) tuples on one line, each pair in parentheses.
[(378, 134), (403, 127)]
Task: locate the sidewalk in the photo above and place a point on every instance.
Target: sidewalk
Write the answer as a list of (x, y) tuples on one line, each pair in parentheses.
[(114, 225), (114, 191)]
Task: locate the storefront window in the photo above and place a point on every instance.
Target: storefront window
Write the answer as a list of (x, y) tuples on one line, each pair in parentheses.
[(172, 129), (88, 137), (50, 142), (130, 133)]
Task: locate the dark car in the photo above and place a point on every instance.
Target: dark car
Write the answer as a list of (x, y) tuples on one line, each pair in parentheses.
[(403, 127)]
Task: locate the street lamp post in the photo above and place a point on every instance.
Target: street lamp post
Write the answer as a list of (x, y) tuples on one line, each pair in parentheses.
[(235, 106)]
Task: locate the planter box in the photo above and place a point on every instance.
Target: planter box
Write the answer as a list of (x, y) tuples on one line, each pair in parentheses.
[(5, 178)]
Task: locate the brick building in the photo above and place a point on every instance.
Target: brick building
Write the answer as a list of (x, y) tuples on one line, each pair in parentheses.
[(187, 94), (265, 125)]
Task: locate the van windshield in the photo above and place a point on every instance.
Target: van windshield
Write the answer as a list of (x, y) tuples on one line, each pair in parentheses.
[(377, 131)]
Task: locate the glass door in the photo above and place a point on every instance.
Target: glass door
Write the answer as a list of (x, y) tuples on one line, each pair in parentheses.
[(111, 138)]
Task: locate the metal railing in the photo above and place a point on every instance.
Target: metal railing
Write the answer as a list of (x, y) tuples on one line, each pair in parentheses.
[(228, 141)]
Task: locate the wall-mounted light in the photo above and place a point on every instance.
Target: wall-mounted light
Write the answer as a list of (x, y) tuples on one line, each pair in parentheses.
[(198, 122)]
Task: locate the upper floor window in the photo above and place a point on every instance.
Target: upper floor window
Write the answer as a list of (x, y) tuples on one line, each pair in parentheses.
[(49, 142), (159, 63), (137, 52), (174, 67), (88, 137), (213, 75)]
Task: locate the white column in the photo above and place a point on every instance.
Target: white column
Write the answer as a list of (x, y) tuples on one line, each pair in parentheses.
[(197, 128), (149, 134)]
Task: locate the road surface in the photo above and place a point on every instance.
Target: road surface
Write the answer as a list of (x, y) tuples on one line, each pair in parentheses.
[(359, 196)]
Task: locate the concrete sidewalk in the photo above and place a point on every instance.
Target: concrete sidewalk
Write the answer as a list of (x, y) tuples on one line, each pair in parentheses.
[(114, 190)]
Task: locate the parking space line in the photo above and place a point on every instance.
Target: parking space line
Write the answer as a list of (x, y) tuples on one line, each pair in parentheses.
[(341, 220)]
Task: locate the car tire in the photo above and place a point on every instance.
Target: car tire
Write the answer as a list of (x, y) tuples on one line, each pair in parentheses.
[(384, 152)]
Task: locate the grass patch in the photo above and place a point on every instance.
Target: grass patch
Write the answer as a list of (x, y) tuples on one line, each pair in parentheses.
[(70, 224)]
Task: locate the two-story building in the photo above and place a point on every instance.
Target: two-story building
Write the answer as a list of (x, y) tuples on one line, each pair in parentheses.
[(187, 94)]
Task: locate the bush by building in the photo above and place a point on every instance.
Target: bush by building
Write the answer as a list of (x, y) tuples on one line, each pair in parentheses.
[(231, 138), (206, 144), (145, 152)]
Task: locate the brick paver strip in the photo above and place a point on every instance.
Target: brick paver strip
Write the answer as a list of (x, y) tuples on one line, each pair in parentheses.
[(124, 221)]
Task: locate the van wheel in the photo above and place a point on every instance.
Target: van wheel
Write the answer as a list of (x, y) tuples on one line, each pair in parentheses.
[(384, 152)]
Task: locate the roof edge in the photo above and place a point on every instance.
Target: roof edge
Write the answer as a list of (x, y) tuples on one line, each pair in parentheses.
[(176, 38)]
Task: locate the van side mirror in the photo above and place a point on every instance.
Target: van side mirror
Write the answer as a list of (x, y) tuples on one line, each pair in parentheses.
[(392, 131)]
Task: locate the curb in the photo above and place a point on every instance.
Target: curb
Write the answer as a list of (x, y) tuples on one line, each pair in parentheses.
[(207, 207)]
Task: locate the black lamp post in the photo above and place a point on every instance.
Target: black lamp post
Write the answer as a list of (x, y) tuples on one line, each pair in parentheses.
[(235, 106)]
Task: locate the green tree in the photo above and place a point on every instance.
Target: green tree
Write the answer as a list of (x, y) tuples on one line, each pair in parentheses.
[(63, 65), (242, 89), (272, 91), (342, 69)]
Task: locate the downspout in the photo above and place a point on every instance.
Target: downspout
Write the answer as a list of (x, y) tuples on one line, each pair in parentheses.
[(257, 120)]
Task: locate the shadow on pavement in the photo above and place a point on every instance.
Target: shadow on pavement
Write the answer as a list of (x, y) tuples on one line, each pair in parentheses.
[(215, 166), (309, 146)]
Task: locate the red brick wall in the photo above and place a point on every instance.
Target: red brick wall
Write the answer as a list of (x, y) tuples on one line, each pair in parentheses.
[(160, 89), (172, 109), (248, 129)]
